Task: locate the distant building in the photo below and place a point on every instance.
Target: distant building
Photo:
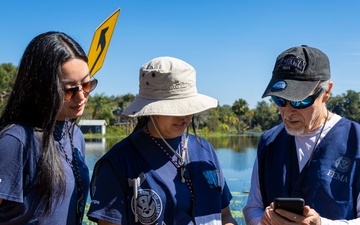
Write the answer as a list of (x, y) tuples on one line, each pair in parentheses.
[(93, 126)]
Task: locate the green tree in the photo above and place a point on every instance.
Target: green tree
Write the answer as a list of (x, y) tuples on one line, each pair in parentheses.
[(336, 104), (201, 119), (210, 120), (266, 115), (224, 111), (231, 121), (227, 117), (125, 100), (7, 79), (100, 107), (346, 105), (240, 108)]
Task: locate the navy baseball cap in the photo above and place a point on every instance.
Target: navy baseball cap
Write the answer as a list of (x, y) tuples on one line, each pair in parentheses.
[(297, 72)]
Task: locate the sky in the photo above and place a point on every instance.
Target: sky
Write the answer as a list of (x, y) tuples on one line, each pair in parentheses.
[(232, 44)]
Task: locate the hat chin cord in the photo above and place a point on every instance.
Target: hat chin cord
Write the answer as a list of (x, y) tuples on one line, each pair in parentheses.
[(184, 151)]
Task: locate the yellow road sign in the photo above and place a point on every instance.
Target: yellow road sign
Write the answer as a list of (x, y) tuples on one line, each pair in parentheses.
[(100, 43)]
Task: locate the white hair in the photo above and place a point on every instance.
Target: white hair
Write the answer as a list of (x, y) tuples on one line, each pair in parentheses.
[(325, 85)]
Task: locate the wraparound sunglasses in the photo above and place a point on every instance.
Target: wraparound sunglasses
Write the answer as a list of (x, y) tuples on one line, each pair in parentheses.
[(297, 104)]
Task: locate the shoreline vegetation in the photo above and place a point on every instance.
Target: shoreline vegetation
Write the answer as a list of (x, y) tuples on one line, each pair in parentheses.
[(214, 135), (122, 134), (234, 119)]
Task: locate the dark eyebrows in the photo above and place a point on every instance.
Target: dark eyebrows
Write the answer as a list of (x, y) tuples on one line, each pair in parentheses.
[(70, 82)]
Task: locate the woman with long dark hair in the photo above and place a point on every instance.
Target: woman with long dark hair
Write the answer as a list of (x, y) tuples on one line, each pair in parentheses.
[(43, 176)]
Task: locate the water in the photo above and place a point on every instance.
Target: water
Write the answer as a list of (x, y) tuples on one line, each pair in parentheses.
[(236, 156)]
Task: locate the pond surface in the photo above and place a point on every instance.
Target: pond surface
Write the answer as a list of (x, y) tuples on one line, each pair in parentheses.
[(236, 156)]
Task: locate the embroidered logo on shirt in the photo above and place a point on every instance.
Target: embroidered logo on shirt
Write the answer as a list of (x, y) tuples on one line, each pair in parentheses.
[(343, 164), (213, 178), (148, 206)]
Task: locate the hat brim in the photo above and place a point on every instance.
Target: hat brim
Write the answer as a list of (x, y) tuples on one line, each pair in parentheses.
[(295, 90), (170, 107)]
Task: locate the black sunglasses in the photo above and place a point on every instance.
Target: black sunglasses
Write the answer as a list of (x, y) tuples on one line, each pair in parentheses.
[(297, 104), (86, 87)]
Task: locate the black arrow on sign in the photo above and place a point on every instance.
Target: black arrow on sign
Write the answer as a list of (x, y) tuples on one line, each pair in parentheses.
[(102, 44)]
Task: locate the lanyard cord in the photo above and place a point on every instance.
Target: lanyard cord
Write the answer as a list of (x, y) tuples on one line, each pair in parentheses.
[(304, 170), (185, 147), (317, 141), (80, 206)]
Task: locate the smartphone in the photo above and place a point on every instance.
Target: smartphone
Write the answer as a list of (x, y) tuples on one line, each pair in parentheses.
[(295, 205)]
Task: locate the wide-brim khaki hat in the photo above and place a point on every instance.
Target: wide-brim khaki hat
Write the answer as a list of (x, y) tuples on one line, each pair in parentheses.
[(167, 87)]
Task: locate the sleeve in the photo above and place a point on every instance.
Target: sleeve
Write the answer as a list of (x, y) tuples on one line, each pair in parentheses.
[(254, 207), (11, 168), (226, 196), (108, 201)]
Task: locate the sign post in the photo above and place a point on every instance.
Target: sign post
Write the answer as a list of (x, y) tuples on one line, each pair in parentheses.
[(100, 43)]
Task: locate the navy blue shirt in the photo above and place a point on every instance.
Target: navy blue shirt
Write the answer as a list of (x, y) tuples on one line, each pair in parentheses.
[(161, 196), (19, 154)]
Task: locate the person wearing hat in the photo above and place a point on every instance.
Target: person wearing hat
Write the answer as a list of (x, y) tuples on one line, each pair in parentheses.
[(313, 154), (161, 174)]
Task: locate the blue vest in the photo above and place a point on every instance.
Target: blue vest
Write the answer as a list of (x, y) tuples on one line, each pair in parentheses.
[(331, 182)]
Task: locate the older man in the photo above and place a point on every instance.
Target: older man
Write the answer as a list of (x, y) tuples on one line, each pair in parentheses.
[(313, 154)]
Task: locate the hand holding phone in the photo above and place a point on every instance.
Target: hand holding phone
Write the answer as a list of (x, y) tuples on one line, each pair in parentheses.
[(295, 205)]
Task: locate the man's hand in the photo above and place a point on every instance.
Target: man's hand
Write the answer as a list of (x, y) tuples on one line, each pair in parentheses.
[(283, 217)]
